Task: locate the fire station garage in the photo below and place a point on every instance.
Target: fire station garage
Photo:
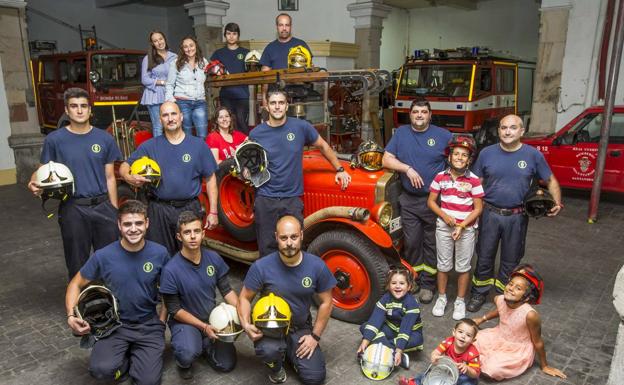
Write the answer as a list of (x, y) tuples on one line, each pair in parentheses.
[(553, 63)]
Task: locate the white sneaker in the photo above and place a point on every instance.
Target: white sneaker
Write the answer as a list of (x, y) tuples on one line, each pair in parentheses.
[(438, 308), (459, 310)]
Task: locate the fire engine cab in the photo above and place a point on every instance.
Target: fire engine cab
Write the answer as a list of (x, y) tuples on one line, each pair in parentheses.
[(469, 89)]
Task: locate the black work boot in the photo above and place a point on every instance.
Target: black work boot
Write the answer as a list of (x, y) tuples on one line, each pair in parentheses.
[(475, 303)]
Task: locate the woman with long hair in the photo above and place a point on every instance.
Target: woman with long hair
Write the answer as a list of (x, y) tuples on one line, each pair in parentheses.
[(185, 86), (225, 138), (154, 70)]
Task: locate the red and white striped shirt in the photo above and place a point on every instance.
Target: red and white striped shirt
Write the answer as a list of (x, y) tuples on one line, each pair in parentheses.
[(456, 196)]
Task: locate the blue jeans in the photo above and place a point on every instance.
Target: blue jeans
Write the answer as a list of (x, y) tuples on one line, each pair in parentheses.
[(154, 113), (195, 113)]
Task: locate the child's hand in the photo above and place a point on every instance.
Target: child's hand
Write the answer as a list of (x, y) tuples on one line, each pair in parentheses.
[(553, 372), (463, 368), (435, 356), (362, 347), (397, 358), (457, 231), (449, 220)]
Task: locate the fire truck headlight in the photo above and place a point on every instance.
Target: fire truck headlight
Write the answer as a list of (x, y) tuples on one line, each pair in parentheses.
[(382, 214)]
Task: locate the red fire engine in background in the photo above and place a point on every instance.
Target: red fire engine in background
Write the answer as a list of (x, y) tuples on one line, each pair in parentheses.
[(469, 89)]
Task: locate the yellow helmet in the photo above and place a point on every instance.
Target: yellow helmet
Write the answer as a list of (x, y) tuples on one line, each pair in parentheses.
[(147, 168), (377, 362), (271, 314), (299, 57)]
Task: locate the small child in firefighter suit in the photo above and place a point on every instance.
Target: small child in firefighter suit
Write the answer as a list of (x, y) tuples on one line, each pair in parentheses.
[(395, 321), (460, 349)]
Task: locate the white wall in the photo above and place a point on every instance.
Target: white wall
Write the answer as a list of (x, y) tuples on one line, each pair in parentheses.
[(7, 159), (501, 25), (125, 26), (395, 39)]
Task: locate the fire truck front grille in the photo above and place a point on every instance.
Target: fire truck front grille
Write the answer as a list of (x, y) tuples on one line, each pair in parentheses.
[(314, 201), (448, 121)]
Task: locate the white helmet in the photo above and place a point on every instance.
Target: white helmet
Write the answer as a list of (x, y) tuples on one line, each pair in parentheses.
[(225, 320), (56, 181), (444, 372), (252, 60), (377, 362)]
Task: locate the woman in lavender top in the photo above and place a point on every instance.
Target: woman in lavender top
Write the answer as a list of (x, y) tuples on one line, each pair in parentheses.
[(185, 86), (154, 72)]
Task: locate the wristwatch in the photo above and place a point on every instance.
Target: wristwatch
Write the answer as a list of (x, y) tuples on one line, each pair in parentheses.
[(316, 337), (340, 169)]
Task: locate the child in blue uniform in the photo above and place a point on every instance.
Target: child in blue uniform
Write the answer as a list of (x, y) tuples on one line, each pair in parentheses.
[(395, 322)]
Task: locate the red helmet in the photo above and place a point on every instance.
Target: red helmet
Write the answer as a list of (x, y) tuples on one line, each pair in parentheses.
[(215, 68), (536, 282), (462, 140)]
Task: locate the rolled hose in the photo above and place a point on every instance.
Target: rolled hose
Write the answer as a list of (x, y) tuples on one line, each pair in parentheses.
[(358, 214)]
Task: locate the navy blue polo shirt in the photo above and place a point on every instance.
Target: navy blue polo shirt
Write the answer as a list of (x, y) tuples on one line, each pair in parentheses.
[(275, 54), (507, 175), (85, 155), (182, 166), (297, 285), (423, 151), (131, 276), (234, 61), (284, 146), (195, 285)]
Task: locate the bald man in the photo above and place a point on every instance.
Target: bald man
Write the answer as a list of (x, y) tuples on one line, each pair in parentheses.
[(184, 162), (296, 276), (507, 169)]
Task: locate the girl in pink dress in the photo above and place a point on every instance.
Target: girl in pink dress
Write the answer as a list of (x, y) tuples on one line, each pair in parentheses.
[(508, 349)]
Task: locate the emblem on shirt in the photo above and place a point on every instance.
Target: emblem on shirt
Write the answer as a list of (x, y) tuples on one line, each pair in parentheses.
[(239, 56), (210, 270), (522, 164), (290, 136), (306, 282), (186, 158), (148, 266), (96, 148), (431, 142)]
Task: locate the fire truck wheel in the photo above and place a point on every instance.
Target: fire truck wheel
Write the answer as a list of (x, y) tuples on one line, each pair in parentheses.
[(236, 202), (358, 266), (63, 121)]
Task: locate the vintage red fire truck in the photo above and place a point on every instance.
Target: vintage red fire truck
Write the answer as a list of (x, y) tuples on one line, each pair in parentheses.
[(572, 151), (469, 89), (112, 78)]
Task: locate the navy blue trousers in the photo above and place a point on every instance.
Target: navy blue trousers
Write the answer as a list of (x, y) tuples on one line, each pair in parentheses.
[(163, 219), (84, 227), (272, 350), (267, 211), (387, 336), (189, 343), (494, 229), (135, 349)]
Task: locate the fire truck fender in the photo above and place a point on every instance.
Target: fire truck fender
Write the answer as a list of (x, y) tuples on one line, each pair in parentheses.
[(368, 229)]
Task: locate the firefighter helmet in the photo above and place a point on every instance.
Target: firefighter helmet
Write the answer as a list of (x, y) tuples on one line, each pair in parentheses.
[(147, 168), (98, 307), (56, 181), (368, 156), (225, 320), (377, 362), (252, 158), (252, 61), (215, 68), (271, 314), (538, 202), (536, 283), (462, 140), (299, 57), (443, 372)]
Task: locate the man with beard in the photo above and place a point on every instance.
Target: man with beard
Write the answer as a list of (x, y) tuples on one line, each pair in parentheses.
[(295, 276), (417, 152), (275, 54), (184, 162), (507, 169), (130, 269), (283, 138)]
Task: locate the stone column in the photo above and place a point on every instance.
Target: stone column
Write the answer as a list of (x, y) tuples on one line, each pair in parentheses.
[(208, 23), (616, 375), (25, 139), (368, 17)]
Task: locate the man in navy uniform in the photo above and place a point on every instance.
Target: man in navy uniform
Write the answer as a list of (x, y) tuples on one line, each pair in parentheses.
[(283, 138), (130, 269), (188, 286), (417, 152), (507, 169), (184, 162), (87, 218), (296, 276), (235, 98), (275, 54)]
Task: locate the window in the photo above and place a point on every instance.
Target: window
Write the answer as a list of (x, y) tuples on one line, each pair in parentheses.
[(49, 71), (118, 69), (63, 71), (587, 130), (78, 71), (505, 80), (485, 80), (436, 80)]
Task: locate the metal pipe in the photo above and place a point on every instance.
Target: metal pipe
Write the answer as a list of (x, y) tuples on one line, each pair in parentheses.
[(358, 214), (604, 48), (614, 70)]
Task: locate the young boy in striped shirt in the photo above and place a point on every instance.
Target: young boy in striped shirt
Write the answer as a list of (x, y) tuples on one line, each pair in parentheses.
[(460, 194)]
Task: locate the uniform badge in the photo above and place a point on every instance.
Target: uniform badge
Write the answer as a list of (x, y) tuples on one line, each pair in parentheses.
[(290, 136), (431, 142), (306, 282), (522, 164), (148, 266), (210, 270), (186, 158), (240, 56), (96, 148)]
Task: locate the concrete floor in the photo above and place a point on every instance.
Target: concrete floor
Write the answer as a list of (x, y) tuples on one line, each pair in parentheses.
[(578, 261)]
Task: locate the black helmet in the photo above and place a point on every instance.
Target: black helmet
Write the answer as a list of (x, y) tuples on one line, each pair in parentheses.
[(538, 202)]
